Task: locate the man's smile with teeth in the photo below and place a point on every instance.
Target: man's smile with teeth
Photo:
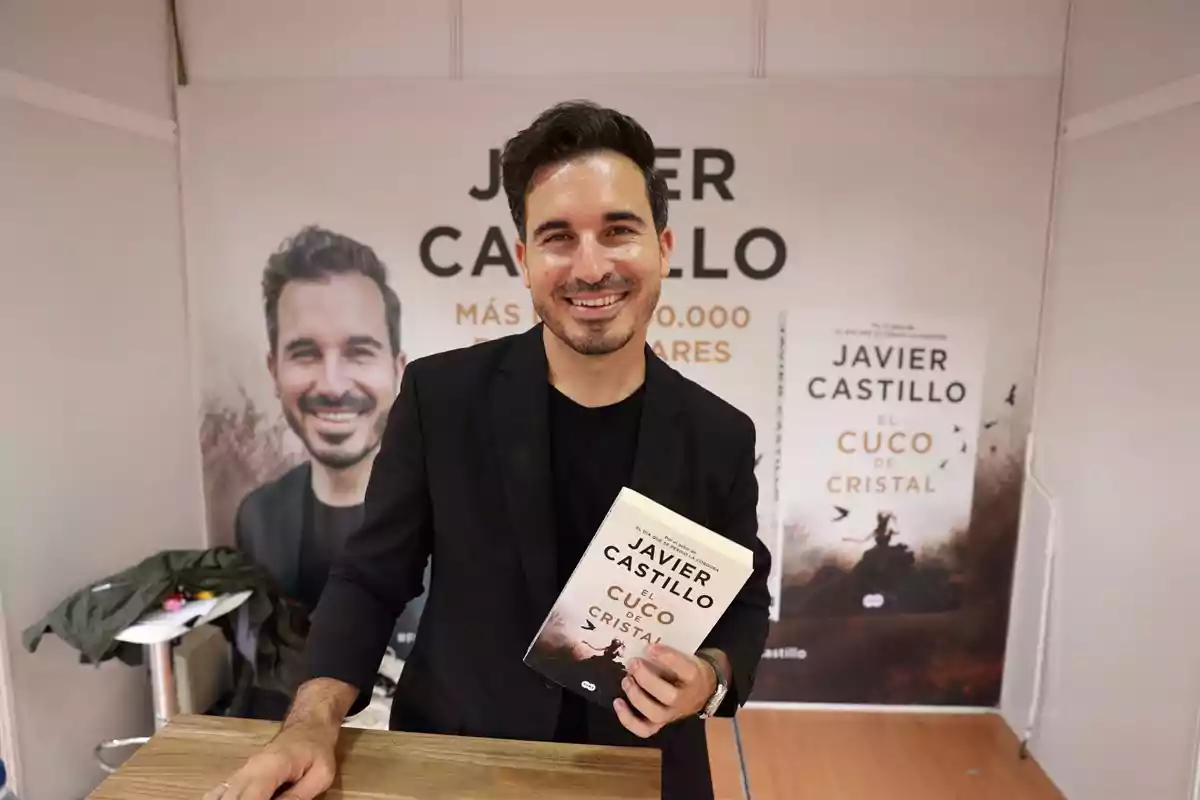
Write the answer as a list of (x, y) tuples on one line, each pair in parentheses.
[(596, 302), (336, 416)]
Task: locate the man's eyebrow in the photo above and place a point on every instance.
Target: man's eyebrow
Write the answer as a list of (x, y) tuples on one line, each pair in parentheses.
[(551, 225), (306, 343), (299, 344), (611, 216), (624, 216)]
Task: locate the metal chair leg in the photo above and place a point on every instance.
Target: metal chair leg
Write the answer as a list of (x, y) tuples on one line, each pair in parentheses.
[(166, 703)]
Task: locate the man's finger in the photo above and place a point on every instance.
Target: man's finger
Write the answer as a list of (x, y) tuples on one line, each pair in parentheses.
[(654, 684), (651, 709), (218, 792), (315, 781), (681, 665), (636, 726), (232, 788), (248, 784), (259, 788)]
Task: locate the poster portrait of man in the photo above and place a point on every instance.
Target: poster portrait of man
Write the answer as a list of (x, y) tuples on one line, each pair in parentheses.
[(335, 361)]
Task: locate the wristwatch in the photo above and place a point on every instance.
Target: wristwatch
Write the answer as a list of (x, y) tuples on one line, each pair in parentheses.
[(718, 695)]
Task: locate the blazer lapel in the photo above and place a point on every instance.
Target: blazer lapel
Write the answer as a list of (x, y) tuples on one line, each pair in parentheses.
[(658, 468), (522, 440)]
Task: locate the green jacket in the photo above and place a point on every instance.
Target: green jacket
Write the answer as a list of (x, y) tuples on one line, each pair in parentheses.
[(90, 618)]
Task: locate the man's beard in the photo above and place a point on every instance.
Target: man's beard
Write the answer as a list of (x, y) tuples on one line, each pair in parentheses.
[(337, 460), (598, 338)]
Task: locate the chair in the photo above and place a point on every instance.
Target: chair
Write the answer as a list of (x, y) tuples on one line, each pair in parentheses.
[(157, 632)]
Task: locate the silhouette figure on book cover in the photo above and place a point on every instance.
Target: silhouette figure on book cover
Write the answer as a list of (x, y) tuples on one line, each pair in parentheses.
[(579, 665), (887, 578)]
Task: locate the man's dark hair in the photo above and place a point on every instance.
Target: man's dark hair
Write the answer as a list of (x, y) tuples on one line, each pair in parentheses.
[(571, 129), (314, 254)]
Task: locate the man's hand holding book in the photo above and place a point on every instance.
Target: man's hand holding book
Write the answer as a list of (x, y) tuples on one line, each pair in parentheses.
[(668, 685)]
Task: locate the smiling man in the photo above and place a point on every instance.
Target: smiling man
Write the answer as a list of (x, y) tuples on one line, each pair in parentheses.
[(333, 327), (503, 458), (334, 356)]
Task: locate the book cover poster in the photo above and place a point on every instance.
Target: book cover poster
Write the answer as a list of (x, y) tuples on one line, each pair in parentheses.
[(881, 422), (898, 512)]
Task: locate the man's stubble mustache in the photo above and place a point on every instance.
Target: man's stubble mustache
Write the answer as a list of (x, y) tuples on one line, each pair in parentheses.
[(612, 282), (346, 401)]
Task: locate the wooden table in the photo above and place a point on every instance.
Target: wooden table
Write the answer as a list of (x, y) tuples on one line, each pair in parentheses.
[(798, 754), (194, 753)]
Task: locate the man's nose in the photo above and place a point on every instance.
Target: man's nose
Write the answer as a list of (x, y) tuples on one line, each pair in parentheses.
[(591, 262), (333, 377)]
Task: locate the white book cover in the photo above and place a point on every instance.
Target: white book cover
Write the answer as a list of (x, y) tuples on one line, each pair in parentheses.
[(649, 575), (881, 427)]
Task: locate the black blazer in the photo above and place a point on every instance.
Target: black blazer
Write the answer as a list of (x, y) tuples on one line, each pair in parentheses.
[(463, 475), (270, 522)]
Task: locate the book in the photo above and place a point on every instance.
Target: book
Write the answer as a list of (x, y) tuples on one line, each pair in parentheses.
[(649, 575)]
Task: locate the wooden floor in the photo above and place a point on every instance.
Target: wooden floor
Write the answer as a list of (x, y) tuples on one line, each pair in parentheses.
[(843, 755)]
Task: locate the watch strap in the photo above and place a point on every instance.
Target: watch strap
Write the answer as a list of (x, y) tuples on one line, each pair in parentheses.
[(718, 695)]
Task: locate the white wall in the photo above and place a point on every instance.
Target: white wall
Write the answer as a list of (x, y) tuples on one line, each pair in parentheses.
[(100, 461), (1115, 424), (240, 40), (118, 51)]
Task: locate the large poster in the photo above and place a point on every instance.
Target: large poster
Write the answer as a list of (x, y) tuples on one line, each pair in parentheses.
[(881, 423), (899, 505), (805, 195)]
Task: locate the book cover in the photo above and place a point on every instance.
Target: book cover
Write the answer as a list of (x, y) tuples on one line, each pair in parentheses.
[(649, 575), (880, 437)]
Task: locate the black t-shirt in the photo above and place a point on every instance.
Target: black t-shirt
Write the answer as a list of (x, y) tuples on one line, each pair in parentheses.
[(325, 531), (592, 454)]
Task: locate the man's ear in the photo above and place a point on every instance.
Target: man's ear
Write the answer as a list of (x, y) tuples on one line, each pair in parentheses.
[(519, 251), (401, 363), (666, 245)]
